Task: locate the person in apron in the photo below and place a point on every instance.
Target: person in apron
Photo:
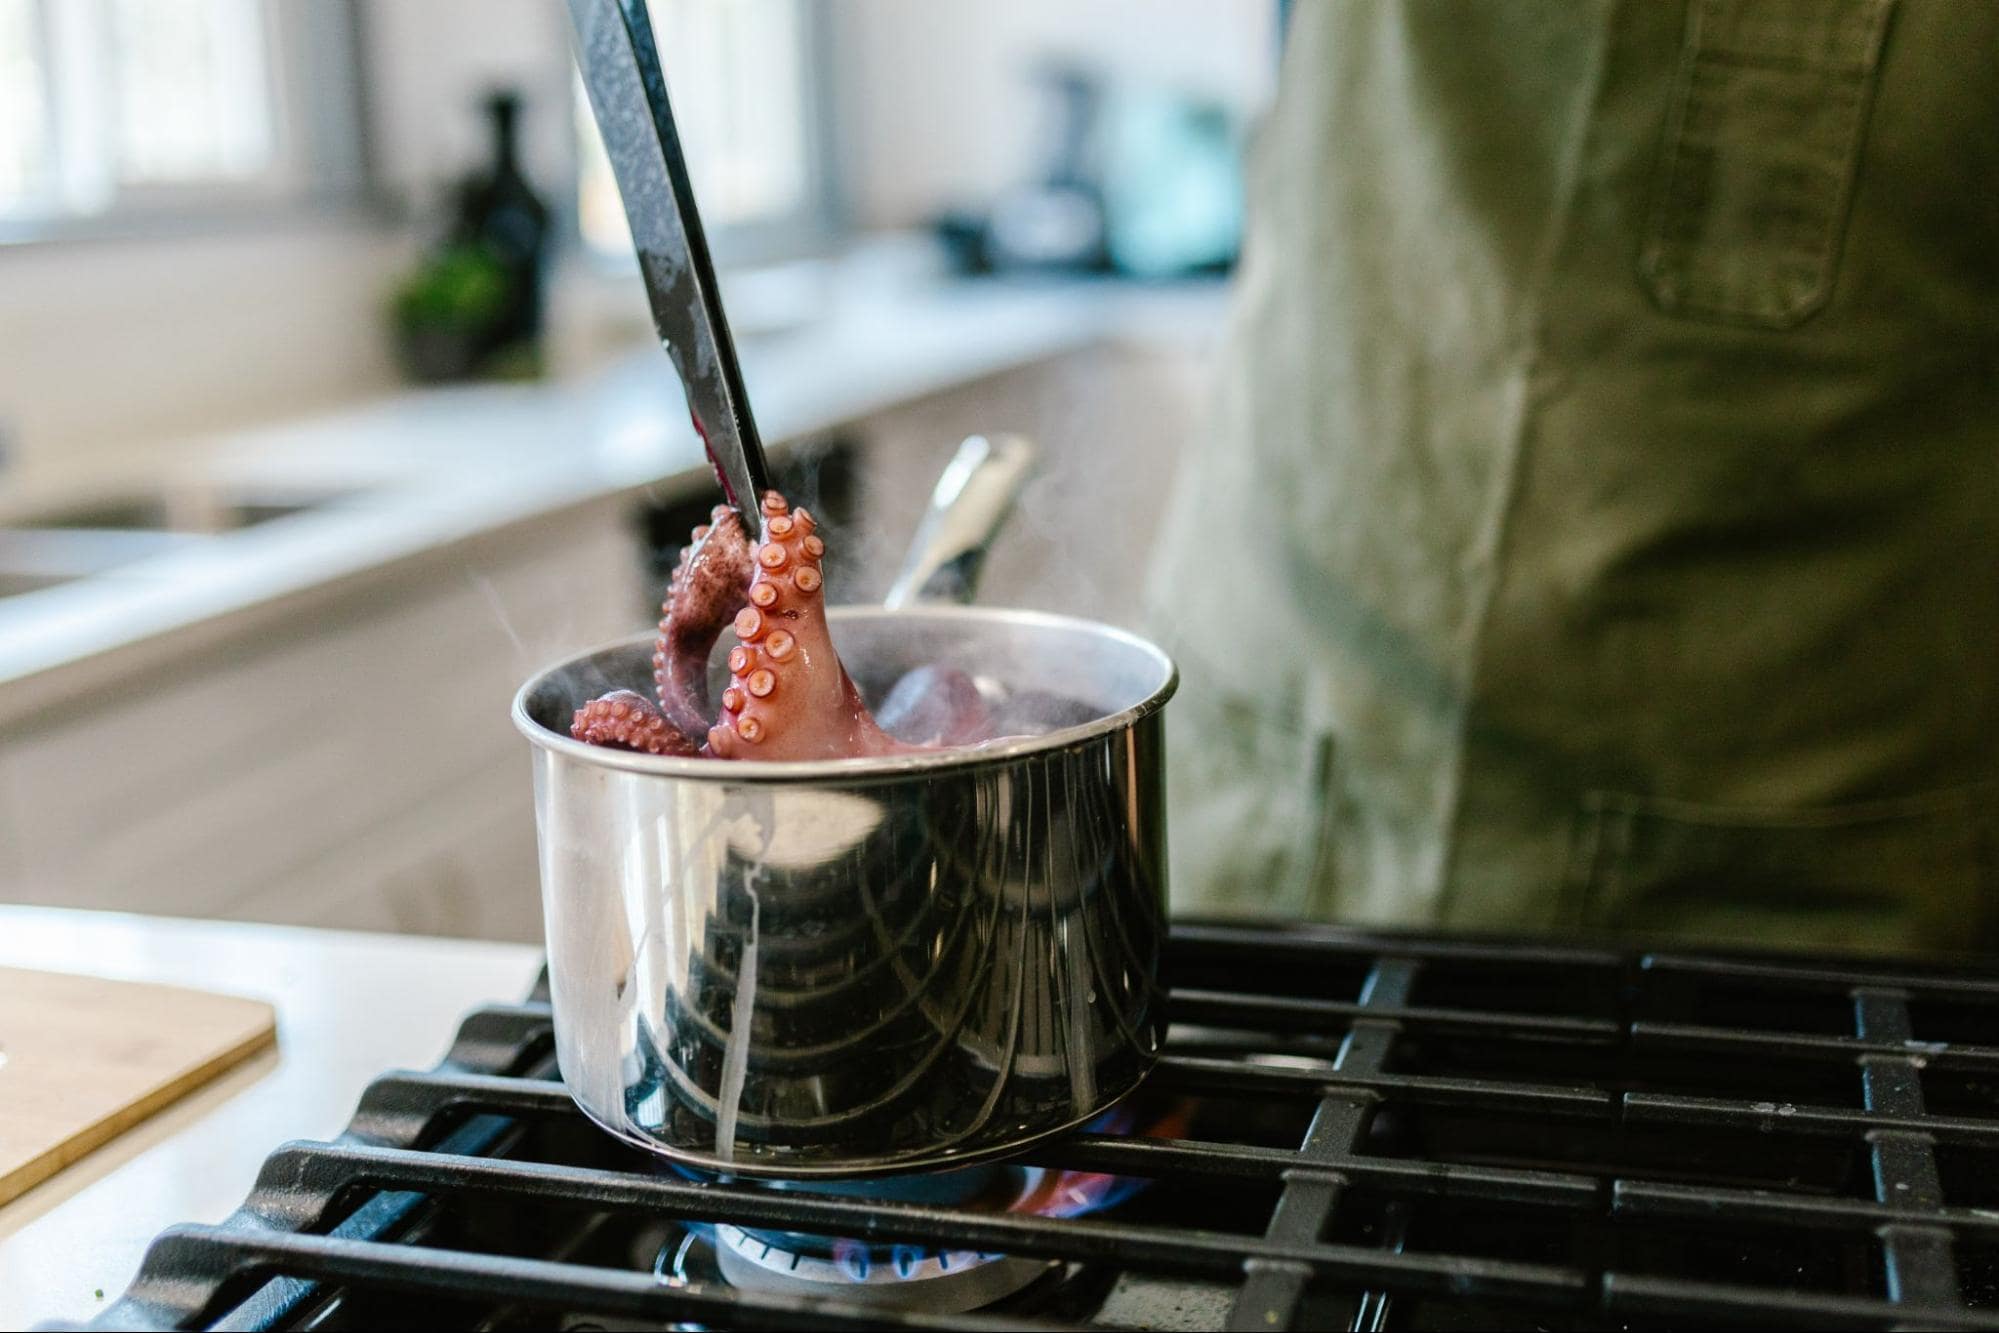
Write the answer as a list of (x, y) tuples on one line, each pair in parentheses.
[(1599, 531)]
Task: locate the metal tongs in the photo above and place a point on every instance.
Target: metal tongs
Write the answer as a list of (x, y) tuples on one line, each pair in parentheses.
[(627, 88)]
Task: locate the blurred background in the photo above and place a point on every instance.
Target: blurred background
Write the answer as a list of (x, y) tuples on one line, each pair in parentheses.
[(330, 407)]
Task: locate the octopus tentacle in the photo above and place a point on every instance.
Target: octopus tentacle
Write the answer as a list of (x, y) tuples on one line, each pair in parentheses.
[(628, 720), (705, 592), (789, 697)]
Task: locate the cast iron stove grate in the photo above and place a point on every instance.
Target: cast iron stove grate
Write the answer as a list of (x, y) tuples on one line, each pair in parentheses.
[(1389, 1132)]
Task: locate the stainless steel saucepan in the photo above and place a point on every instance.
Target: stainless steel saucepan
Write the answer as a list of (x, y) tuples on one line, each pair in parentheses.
[(868, 965)]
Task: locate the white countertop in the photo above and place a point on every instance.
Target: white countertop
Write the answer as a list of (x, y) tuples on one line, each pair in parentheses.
[(447, 467), (350, 1006)]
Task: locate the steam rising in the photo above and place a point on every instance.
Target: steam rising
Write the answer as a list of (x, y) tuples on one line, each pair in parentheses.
[(1076, 544), (1109, 422)]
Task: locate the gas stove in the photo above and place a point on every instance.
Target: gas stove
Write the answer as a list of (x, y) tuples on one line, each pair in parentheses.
[(1348, 1130)]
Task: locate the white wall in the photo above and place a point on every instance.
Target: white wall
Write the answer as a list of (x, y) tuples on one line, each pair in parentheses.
[(427, 64), (934, 98), (104, 342), (114, 342)]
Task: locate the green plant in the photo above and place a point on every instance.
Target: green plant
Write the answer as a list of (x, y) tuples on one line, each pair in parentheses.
[(460, 289)]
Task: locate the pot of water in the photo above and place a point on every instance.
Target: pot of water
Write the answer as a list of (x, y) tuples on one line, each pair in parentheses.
[(860, 966)]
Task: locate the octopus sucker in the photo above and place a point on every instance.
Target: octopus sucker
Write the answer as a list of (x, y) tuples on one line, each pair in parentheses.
[(788, 697), (627, 720)]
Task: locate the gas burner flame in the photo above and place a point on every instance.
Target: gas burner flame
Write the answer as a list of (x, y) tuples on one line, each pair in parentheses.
[(1080, 1193), (859, 1260), (765, 1256)]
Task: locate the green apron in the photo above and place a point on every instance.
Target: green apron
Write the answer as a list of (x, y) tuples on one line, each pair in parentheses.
[(1597, 532)]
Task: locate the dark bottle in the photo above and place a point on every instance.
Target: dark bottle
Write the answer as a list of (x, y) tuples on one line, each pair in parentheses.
[(500, 214)]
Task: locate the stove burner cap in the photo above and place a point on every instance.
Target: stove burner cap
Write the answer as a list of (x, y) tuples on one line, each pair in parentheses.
[(901, 1277), (916, 1277)]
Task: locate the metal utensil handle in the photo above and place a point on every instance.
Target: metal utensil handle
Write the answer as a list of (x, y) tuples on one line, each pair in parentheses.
[(627, 88), (967, 510)]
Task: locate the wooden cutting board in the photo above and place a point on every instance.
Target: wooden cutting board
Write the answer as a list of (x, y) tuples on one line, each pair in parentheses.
[(82, 1060)]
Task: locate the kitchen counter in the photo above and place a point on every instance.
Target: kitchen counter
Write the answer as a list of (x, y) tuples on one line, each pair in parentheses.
[(438, 471), (305, 721), (349, 1007)]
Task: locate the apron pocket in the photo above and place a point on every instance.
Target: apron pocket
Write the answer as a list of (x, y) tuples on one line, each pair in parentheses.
[(1900, 875), (1762, 142)]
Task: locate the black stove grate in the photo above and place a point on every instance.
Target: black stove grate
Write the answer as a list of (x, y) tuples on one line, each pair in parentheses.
[(1386, 1132)]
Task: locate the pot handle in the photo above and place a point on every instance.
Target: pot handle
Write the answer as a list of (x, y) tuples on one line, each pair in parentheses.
[(973, 498)]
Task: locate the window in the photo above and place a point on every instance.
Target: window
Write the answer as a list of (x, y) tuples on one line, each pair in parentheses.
[(124, 108), (744, 79)]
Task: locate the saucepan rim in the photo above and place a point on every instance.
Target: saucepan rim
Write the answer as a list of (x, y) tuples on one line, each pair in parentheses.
[(882, 769)]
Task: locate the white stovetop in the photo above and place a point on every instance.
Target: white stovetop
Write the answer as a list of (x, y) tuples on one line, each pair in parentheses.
[(350, 1006)]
